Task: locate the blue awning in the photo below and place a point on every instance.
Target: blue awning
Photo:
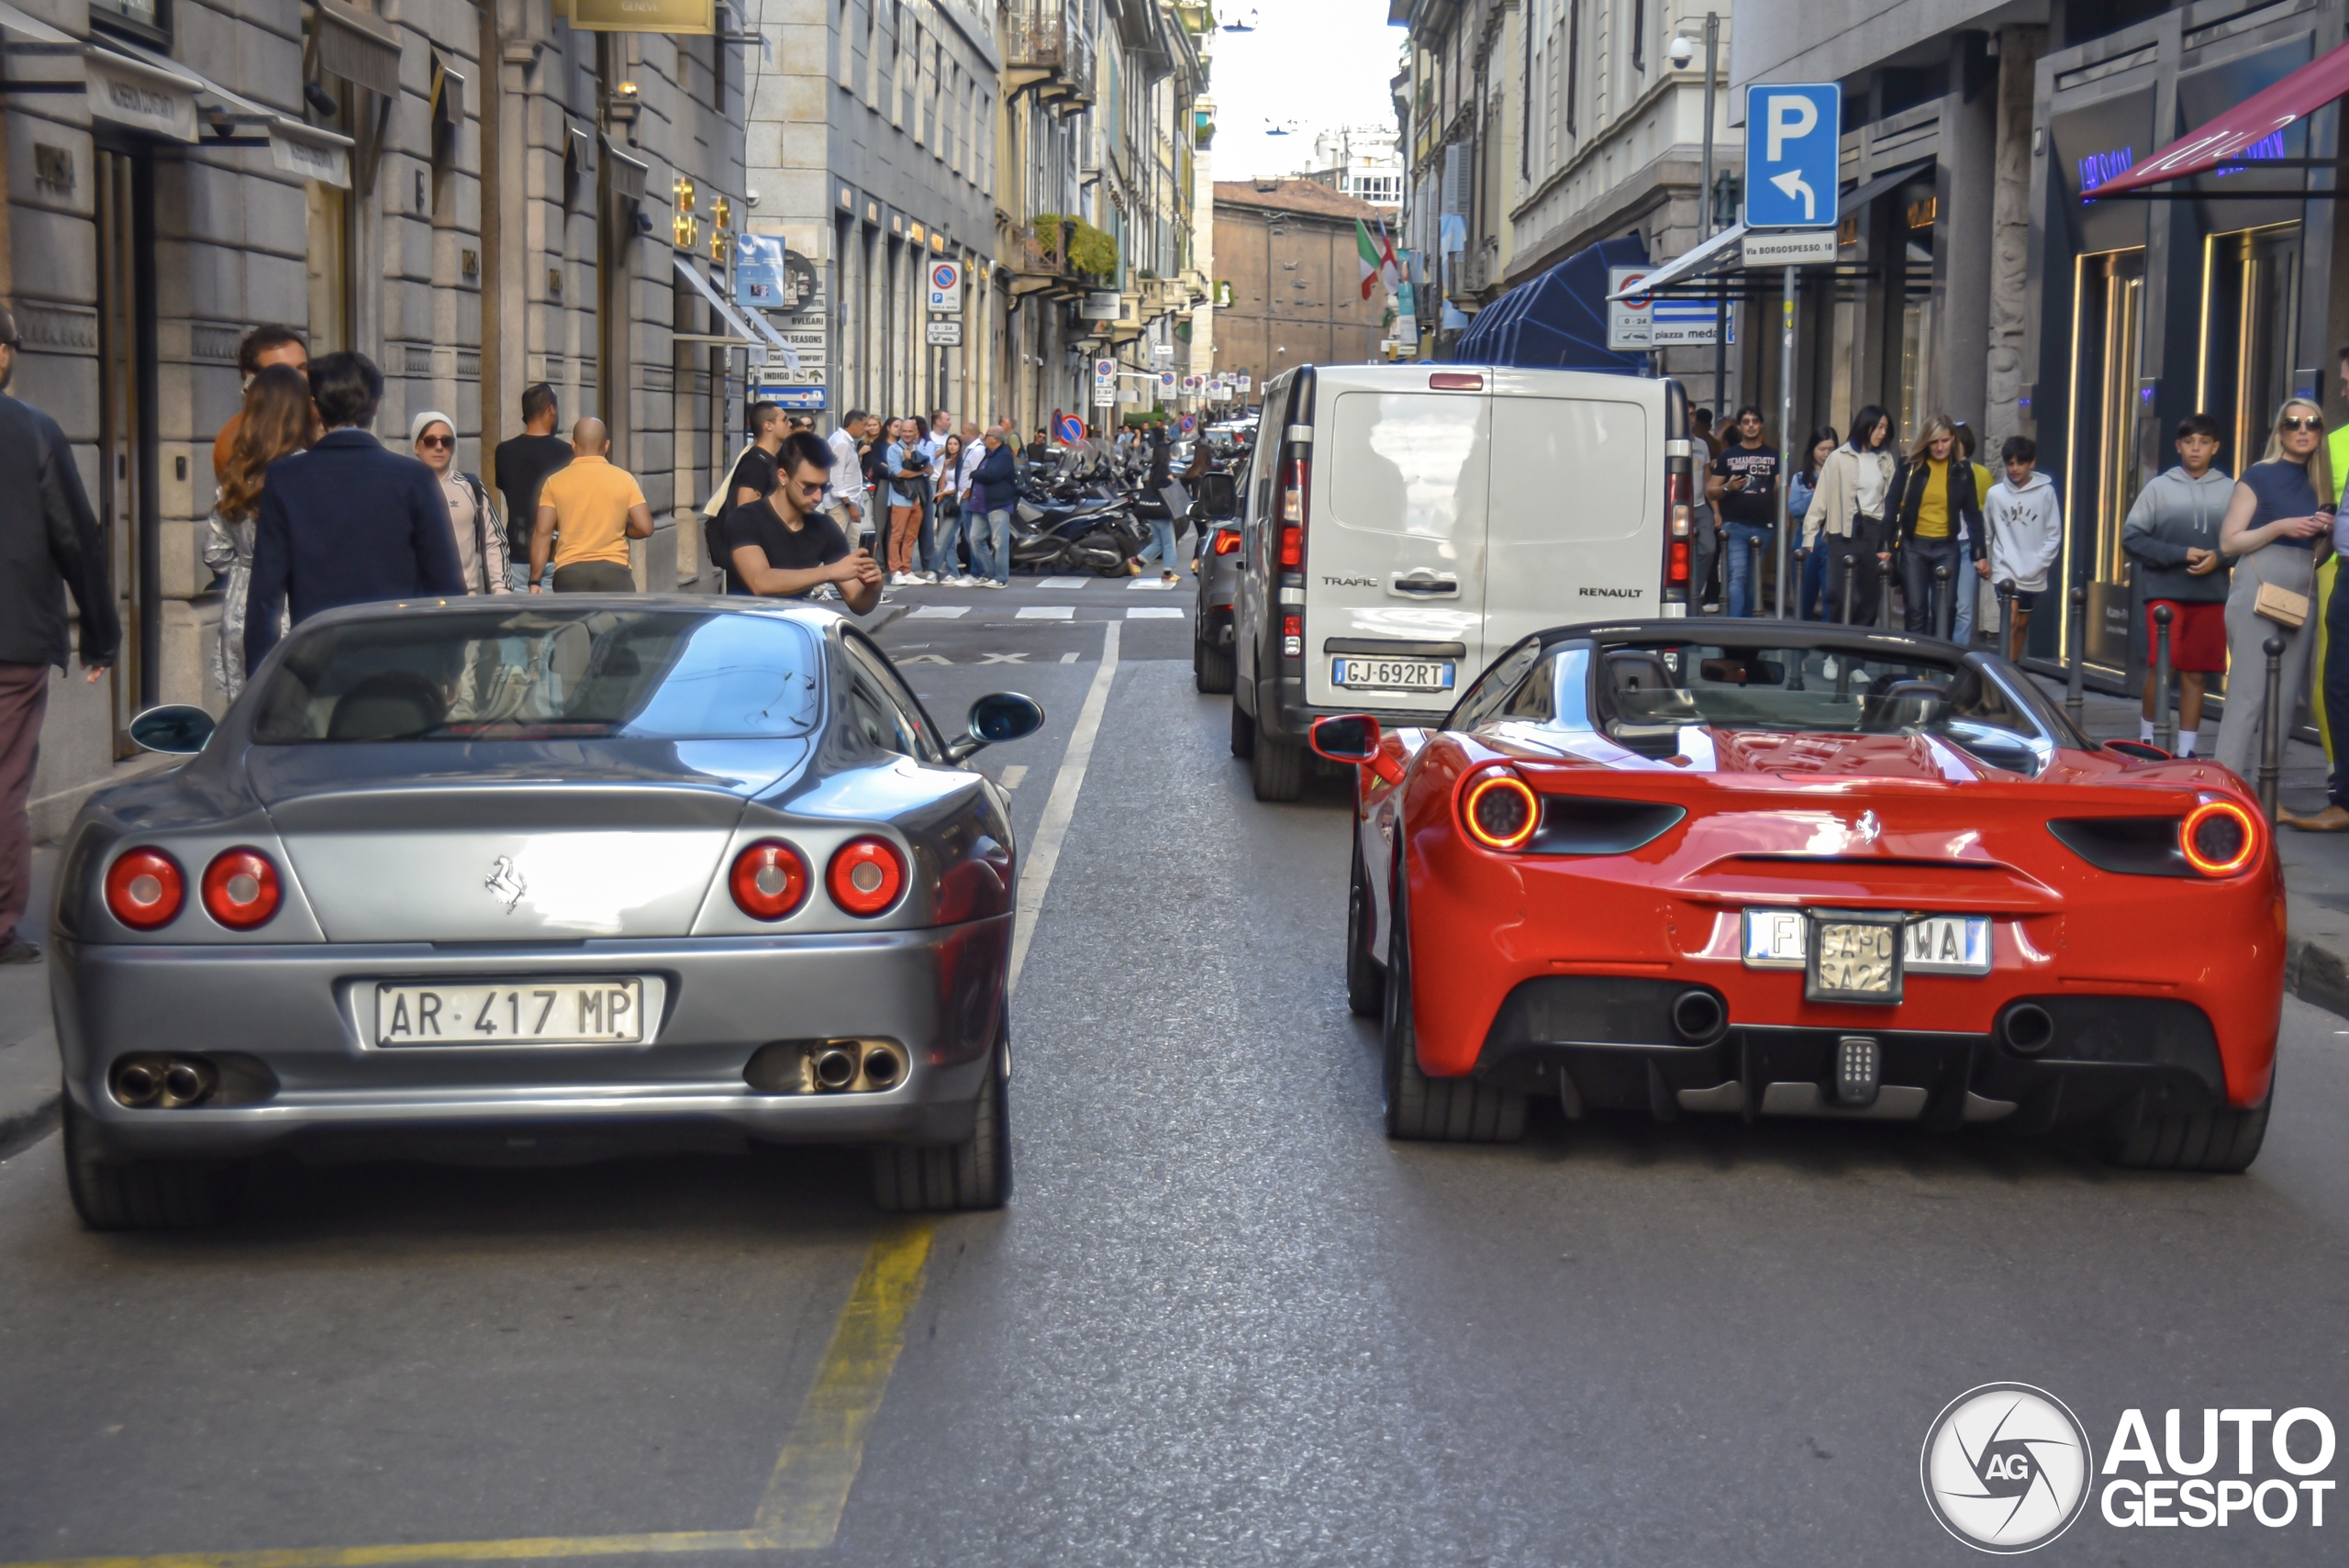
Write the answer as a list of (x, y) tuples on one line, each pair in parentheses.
[(1557, 321)]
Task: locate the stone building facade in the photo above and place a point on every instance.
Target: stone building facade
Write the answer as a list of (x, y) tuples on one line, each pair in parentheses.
[(1288, 249), (475, 196)]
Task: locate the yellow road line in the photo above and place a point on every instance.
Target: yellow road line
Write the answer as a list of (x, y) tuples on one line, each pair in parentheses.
[(801, 1510)]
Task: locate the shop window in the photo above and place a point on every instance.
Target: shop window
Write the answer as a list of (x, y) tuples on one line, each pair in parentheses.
[(2251, 289), (2111, 439), (150, 20)]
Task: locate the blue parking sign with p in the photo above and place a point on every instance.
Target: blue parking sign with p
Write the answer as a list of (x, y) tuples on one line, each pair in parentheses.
[(1792, 131)]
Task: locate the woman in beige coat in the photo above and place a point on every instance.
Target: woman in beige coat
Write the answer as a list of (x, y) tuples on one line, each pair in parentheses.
[(1846, 516)]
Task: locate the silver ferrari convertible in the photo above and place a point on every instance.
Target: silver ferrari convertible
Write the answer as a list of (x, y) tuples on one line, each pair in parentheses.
[(542, 878)]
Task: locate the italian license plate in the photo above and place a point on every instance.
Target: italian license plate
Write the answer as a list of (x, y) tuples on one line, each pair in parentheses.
[(1393, 674), (1938, 944), (519, 1012)]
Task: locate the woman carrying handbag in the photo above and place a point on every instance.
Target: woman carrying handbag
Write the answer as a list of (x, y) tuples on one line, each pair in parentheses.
[(2277, 523)]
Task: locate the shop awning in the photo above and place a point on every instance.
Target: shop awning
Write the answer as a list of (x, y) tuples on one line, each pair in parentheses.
[(1859, 195), (1729, 241), (751, 329), (2257, 117), (230, 119), (1556, 321)]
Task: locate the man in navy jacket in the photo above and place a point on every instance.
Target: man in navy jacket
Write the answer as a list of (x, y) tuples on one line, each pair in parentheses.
[(346, 522)]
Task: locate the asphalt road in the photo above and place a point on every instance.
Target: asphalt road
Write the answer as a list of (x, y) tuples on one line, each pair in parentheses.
[(1224, 1320)]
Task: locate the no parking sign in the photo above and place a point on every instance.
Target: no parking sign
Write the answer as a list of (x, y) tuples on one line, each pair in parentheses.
[(946, 285), (1070, 429)]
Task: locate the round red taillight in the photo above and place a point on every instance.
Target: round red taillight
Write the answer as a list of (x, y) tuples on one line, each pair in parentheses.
[(769, 880), (145, 889), (2219, 837), (1500, 810), (866, 876), (240, 889)]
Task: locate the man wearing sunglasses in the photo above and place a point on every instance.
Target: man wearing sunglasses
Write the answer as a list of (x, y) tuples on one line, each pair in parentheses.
[(783, 546)]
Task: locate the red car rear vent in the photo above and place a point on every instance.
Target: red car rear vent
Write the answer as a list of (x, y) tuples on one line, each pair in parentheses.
[(1500, 809), (240, 889), (866, 876), (769, 880), (145, 889), (2218, 838)]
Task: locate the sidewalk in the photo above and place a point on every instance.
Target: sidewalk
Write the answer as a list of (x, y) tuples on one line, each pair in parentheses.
[(29, 1093), (2316, 865)]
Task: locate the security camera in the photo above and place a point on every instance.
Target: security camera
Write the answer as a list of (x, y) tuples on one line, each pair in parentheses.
[(1683, 51), (749, 199)]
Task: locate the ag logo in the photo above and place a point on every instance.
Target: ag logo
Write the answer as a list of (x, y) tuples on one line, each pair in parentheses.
[(2006, 1467)]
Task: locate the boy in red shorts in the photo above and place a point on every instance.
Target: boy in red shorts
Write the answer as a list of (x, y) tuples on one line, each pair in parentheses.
[(2173, 536)]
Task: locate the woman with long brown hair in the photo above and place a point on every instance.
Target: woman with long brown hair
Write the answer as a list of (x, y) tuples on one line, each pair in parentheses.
[(278, 420)]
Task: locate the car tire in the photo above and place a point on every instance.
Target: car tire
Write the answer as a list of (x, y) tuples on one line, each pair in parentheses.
[(2222, 1140), (1243, 733), (1276, 768), (910, 1178), (146, 1195), (1420, 1109), (1365, 977), (1213, 666)]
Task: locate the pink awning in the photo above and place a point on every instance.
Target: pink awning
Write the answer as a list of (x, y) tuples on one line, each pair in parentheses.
[(2261, 115)]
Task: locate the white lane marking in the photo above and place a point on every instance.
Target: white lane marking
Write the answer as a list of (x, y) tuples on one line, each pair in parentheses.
[(1148, 585), (1045, 612), (942, 612), (1064, 582), (1012, 774), (1071, 659), (1003, 658), (927, 659), (1154, 612), (1036, 873)]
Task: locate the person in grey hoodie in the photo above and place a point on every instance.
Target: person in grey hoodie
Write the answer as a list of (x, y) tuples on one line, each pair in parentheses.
[(2025, 523), (2172, 535)]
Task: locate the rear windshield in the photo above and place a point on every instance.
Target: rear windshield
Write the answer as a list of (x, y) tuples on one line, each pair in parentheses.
[(1655, 689), (540, 672)]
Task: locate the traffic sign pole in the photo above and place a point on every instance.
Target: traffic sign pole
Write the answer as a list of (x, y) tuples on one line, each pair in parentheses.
[(1785, 438)]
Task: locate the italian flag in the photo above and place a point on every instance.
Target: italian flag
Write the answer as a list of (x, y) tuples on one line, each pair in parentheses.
[(1377, 258)]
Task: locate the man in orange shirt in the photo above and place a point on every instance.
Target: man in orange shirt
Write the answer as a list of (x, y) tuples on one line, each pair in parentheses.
[(262, 346), (598, 508)]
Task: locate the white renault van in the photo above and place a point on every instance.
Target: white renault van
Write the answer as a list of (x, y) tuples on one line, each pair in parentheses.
[(1404, 523)]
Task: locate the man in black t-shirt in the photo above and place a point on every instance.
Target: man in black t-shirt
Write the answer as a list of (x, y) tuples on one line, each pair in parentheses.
[(521, 465), (782, 546), (752, 477), (1743, 483)]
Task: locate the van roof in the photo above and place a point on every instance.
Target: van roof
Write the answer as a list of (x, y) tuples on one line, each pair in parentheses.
[(1416, 375)]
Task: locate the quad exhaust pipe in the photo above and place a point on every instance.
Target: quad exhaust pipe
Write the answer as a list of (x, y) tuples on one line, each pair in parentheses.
[(826, 1066), (2027, 1028), (163, 1082), (1698, 1017)]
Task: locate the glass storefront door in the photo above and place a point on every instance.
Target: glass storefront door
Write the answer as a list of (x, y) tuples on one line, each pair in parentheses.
[(127, 489), (2251, 291), (2107, 441)]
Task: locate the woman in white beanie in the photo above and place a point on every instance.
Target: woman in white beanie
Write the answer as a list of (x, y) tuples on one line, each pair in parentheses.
[(479, 533)]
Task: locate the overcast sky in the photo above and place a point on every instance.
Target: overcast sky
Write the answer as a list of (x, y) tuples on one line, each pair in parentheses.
[(1317, 62)]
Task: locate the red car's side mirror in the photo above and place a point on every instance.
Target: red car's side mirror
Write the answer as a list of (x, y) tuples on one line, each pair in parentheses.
[(1354, 739)]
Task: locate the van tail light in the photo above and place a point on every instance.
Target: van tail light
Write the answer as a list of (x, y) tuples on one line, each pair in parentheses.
[(241, 889), (1297, 478), (1293, 636), (1499, 808), (145, 889), (2219, 839), (1677, 515), (865, 876), (769, 880)]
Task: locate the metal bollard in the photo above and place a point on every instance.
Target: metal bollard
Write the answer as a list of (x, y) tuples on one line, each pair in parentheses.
[(1944, 604), (2271, 728), (1884, 596), (2165, 728), (2076, 700), (1754, 578), (1850, 563)]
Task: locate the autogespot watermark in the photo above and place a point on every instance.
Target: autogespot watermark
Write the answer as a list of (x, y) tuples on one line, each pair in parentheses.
[(2006, 1468)]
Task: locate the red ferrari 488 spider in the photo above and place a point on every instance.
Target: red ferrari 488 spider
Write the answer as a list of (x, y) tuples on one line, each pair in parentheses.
[(1761, 869)]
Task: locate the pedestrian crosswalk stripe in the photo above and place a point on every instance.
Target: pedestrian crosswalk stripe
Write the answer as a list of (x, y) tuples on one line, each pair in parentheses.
[(942, 612), (1064, 582), (1046, 612), (1154, 612), (1149, 585)]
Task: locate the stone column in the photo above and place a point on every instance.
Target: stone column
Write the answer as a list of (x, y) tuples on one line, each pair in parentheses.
[(2019, 51)]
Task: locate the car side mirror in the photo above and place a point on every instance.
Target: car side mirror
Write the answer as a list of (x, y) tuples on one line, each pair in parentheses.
[(1353, 739), (176, 730), (995, 718), (1219, 497)]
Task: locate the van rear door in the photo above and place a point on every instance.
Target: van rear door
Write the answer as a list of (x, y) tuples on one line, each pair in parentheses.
[(1576, 503), (1395, 576)]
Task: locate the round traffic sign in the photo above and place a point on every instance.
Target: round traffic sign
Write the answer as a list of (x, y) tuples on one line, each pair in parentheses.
[(1070, 429), (1189, 424), (944, 276)]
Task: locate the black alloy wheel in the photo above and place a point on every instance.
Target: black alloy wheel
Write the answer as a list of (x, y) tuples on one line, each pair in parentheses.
[(1365, 977), (2224, 1140), (1439, 1110), (146, 1195), (908, 1178), (1243, 733)]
